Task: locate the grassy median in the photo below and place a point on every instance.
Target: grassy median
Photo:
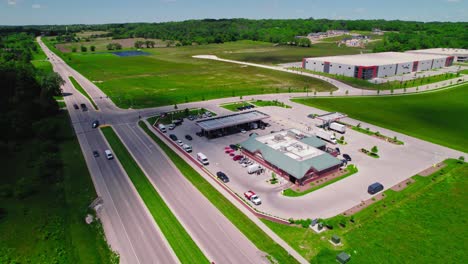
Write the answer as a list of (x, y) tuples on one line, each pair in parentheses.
[(240, 220), (82, 91), (181, 242)]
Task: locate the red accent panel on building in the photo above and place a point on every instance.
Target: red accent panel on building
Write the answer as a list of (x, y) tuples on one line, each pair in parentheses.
[(415, 65), (449, 61), (359, 73), (303, 63)]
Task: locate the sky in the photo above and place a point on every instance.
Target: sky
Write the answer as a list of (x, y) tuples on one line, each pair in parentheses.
[(47, 12)]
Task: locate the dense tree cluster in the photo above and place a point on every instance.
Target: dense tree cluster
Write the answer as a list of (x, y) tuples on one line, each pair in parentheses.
[(406, 34)]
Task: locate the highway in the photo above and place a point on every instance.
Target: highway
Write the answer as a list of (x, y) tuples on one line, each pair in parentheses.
[(140, 241), (129, 227)]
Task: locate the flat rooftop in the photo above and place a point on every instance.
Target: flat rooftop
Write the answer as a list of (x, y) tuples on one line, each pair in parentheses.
[(287, 143), (231, 120), (441, 51), (374, 59)]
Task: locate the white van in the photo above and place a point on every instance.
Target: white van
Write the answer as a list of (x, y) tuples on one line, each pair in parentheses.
[(253, 168), (202, 158), (109, 155), (162, 128)]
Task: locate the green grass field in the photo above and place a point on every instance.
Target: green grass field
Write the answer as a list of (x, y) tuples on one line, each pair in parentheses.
[(237, 218), (39, 60), (181, 242), (82, 91), (261, 103), (437, 117), (44, 222), (414, 225), (233, 106), (171, 75)]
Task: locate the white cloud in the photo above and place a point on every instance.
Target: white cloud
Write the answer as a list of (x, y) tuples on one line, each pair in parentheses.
[(11, 2), (36, 6)]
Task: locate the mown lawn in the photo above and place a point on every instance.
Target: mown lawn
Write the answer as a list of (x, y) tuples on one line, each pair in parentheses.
[(424, 223), (241, 221), (170, 75), (181, 242), (438, 117), (44, 222)]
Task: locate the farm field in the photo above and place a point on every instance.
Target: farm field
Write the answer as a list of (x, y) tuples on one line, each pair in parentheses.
[(437, 116), (414, 225), (171, 75)]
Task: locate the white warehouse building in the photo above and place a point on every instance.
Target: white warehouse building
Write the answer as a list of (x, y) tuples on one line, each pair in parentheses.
[(460, 55), (376, 65)]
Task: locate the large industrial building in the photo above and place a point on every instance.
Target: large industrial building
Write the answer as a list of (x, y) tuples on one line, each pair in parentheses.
[(376, 65), (460, 55), (292, 154)]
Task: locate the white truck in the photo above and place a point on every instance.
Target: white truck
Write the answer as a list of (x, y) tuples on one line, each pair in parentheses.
[(338, 127), (109, 155), (326, 136), (202, 158), (162, 128), (253, 168)]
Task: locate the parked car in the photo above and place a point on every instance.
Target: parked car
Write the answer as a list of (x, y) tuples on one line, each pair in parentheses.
[(234, 147), (243, 131), (251, 196), (347, 157), (375, 188), (95, 124), (187, 148), (188, 137), (173, 137), (171, 126), (76, 106), (95, 153), (180, 142), (222, 176), (191, 117), (237, 157), (338, 150)]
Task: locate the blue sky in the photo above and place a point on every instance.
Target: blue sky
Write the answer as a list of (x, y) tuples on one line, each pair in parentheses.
[(27, 12)]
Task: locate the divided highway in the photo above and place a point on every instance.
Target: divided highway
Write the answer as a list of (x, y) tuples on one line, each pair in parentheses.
[(129, 227)]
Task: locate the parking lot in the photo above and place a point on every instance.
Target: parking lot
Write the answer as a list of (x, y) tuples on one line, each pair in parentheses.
[(396, 163)]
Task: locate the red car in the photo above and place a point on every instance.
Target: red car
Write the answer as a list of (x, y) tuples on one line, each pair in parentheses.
[(228, 150), (237, 157), (251, 196)]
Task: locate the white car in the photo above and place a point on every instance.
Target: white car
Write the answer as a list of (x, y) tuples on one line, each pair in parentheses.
[(243, 131), (180, 142)]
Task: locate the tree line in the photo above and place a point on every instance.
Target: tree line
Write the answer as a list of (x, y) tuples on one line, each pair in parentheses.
[(406, 34)]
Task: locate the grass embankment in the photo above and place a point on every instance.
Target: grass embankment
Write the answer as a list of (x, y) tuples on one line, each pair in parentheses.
[(171, 76), (181, 242), (292, 193), (43, 221), (179, 114), (233, 106), (420, 81), (39, 60), (240, 220), (434, 116), (82, 91), (261, 103), (415, 225)]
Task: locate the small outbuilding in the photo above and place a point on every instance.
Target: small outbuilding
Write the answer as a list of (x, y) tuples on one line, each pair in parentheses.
[(336, 239), (343, 257)]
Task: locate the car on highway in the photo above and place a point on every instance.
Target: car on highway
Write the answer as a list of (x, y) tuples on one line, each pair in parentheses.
[(222, 176), (95, 124), (95, 153), (84, 107), (347, 157), (173, 137), (188, 137), (109, 155), (76, 106), (251, 196)]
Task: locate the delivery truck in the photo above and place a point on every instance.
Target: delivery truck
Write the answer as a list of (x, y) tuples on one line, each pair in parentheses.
[(202, 158), (326, 136), (338, 127), (254, 168)]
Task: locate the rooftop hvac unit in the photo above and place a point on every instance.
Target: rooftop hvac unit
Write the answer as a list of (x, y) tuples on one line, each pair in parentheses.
[(278, 137), (299, 147), (283, 149)]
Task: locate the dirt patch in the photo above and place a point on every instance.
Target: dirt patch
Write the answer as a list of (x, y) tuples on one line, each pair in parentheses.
[(364, 204), (432, 169), (401, 185)]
